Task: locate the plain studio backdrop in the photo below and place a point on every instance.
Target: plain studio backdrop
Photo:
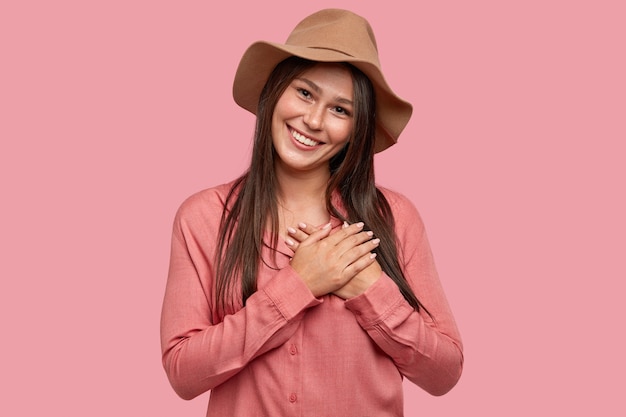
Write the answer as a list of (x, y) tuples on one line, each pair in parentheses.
[(113, 112)]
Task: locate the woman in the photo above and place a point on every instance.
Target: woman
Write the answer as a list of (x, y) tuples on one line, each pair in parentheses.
[(301, 288)]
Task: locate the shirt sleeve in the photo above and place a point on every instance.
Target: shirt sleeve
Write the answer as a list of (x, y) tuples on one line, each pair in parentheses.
[(427, 349), (200, 352)]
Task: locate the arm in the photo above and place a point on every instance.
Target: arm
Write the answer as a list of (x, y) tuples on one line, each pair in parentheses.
[(199, 350), (428, 351)]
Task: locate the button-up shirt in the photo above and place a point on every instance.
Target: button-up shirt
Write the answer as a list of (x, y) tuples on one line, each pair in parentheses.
[(288, 353)]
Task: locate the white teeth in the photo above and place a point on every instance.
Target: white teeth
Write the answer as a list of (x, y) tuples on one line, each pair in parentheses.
[(303, 139)]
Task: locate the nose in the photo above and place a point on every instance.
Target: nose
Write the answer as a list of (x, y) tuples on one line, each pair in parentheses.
[(314, 117)]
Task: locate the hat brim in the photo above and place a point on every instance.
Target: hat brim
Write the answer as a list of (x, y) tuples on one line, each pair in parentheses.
[(260, 59)]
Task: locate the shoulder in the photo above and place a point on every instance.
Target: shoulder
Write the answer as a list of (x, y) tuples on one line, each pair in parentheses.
[(397, 201), (205, 205), (404, 211), (208, 197)]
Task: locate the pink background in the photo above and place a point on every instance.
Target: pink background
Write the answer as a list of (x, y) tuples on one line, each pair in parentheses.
[(112, 112)]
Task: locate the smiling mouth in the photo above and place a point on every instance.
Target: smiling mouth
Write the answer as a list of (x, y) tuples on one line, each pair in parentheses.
[(303, 139)]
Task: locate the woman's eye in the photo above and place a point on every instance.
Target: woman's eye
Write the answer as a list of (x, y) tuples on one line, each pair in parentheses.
[(304, 93), (341, 110)]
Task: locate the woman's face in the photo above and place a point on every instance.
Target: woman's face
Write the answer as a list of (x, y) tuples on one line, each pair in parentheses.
[(313, 118)]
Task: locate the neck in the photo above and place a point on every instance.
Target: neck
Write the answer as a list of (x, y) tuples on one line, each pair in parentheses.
[(302, 188)]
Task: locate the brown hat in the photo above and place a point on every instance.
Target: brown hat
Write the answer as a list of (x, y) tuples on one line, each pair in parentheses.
[(330, 35)]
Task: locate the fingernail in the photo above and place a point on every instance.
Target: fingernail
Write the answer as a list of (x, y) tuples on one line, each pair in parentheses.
[(289, 242), (372, 255), (360, 224), (345, 224), (302, 225), (376, 241), (370, 233), (292, 230), (326, 226)]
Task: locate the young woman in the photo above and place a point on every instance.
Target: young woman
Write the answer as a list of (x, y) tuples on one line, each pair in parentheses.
[(302, 288)]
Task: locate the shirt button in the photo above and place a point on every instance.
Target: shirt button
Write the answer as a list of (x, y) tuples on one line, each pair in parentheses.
[(292, 397), (293, 349)]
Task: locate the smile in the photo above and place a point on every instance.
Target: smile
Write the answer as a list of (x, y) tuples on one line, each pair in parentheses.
[(303, 139)]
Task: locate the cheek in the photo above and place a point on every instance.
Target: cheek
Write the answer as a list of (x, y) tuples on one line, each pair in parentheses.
[(343, 132), (278, 117), (274, 121), (285, 107)]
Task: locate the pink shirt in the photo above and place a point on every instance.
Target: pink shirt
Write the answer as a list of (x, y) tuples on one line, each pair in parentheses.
[(287, 353)]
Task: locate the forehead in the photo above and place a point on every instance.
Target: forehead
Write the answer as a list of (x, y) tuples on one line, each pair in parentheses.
[(330, 77)]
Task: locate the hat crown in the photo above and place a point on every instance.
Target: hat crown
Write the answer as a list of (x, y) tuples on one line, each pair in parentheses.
[(330, 35), (337, 30)]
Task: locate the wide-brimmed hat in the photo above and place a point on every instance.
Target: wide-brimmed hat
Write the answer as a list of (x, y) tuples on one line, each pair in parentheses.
[(330, 35)]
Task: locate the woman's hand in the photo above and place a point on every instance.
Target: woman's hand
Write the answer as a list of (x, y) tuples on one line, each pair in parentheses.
[(349, 248)]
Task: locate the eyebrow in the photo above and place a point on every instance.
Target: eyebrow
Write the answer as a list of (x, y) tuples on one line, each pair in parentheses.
[(317, 89)]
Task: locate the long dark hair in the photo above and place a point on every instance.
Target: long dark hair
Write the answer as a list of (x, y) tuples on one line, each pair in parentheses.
[(251, 202)]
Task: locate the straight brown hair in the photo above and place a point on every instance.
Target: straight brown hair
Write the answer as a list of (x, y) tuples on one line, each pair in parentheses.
[(251, 202)]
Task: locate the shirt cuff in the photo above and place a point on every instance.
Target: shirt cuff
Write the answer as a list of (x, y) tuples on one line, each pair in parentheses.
[(289, 293), (380, 300)]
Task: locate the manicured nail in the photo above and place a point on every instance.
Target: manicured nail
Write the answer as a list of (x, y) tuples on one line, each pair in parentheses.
[(326, 226), (302, 225), (370, 233), (376, 241), (372, 255), (360, 225), (289, 242), (292, 231), (345, 224)]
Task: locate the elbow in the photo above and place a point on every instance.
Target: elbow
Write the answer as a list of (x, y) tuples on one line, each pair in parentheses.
[(179, 385), (441, 384), (449, 370), (182, 387), (444, 386), (450, 376), (182, 382), (440, 377), (184, 394)]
